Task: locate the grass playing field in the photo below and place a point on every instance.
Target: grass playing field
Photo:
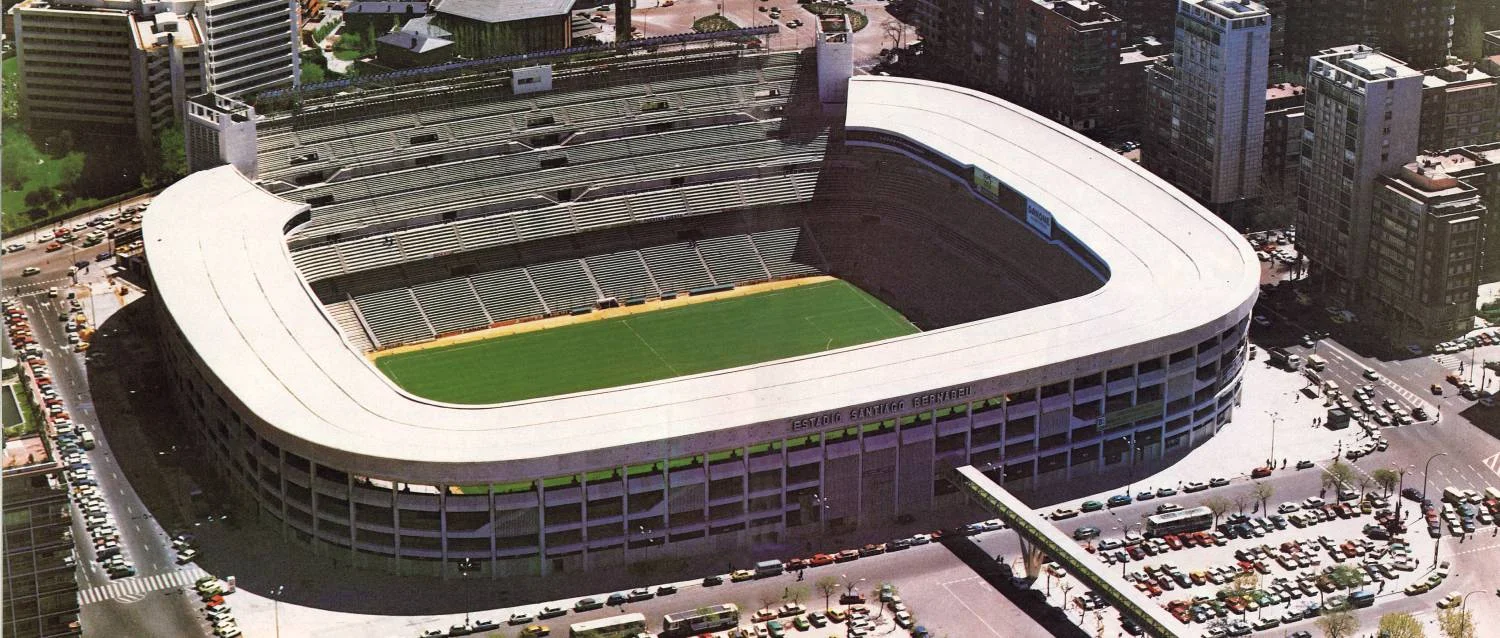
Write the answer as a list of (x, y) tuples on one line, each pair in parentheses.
[(644, 347)]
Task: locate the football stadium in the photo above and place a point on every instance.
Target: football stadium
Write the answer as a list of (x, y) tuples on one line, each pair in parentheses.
[(543, 316)]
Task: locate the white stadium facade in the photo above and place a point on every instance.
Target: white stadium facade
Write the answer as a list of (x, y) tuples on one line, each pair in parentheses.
[(1076, 311)]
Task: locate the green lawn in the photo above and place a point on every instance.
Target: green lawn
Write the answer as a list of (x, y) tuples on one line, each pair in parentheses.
[(644, 347)]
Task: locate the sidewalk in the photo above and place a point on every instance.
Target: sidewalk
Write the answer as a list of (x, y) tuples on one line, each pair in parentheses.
[(1270, 395)]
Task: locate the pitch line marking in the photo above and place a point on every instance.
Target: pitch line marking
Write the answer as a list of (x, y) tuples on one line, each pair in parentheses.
[(648, 347)]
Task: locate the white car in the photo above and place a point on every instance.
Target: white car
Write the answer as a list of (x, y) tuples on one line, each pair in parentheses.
[(45, 236), (1371, 374)]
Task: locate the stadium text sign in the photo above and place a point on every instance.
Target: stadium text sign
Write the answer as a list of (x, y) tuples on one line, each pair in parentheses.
[(882, 408)]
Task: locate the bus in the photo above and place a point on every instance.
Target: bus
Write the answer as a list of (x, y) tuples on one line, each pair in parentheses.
[(626, 626), (1196, 519), (700, 620)]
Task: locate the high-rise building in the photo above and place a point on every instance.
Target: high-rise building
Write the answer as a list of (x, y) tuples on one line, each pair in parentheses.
[(127, 67), (1054, 57), (1216, 81), (1361, 112), (1460, 106), (1417, 31), (1427, 237), (109, 67), (251, 45)]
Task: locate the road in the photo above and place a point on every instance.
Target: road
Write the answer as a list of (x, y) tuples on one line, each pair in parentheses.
[(142, 605)]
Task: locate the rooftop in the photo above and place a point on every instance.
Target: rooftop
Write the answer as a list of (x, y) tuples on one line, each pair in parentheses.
[(1232, 9), (504, 10), (1357, 62)]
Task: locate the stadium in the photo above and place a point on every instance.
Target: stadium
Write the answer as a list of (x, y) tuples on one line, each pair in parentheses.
[(546, 317)]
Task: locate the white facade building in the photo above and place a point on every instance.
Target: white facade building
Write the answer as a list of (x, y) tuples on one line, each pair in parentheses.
[(1362, 119), (252, 45)]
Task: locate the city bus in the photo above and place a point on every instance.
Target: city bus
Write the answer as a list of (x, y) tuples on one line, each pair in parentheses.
[(700, 620), (626, 626), (1196, 519)]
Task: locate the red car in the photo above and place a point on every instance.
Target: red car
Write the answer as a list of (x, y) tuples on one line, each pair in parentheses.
[(54, 247), (1260, 472), (819, 560)]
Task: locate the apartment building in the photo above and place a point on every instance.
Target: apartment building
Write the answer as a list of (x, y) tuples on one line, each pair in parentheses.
[(1477, 166), (1419, 32), (1282, 148), (1054, 57), (1460, 105), (1215, 86), (1426, 243), (1361, 120)]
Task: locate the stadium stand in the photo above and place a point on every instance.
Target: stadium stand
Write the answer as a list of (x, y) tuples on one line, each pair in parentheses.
[(622, 275), (451, 305), (394, 317), (508, 295)]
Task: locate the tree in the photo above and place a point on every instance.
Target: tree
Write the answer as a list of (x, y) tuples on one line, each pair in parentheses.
[(1400, 625), (1364, 483), (1387, 479), (1065, 587), (171, 151), (796, 593), (1346, 576), (1243, 500), (769, 598), (1218, 505), (1263, 493), (828, 586), (1337, 475), (1456, 622), (1337, 624)]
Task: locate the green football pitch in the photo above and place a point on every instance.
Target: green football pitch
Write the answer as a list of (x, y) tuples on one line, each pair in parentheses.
[(665, 343)]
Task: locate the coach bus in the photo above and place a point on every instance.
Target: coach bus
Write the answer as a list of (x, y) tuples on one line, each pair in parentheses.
[(700, 620), (1196, 519), (626, 626)]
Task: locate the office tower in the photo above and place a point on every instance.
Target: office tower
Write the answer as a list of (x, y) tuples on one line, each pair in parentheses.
[(108, 68), (251, 45), (1215, 84)]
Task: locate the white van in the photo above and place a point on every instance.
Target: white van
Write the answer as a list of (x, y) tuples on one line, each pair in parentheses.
[(1329, 386), (1315, 362), (1293, 362)]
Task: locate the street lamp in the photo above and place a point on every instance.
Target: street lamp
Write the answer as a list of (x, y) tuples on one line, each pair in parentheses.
[(1275, 418), (650, 540), (276, 606), (1426, 467), (820, 505)]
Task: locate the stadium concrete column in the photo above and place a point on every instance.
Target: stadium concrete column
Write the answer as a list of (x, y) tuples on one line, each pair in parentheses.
[(835, 49), (489, 492)]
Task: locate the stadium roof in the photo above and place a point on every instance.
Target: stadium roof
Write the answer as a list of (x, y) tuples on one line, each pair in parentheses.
[(504, 10), (1174, 269)]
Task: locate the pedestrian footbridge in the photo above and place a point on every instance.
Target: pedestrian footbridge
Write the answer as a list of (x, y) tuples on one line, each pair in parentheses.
[(1045, 537)]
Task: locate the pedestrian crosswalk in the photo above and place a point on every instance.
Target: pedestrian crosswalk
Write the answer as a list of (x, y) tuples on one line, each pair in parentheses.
[(1448, 361), (129, 587)]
